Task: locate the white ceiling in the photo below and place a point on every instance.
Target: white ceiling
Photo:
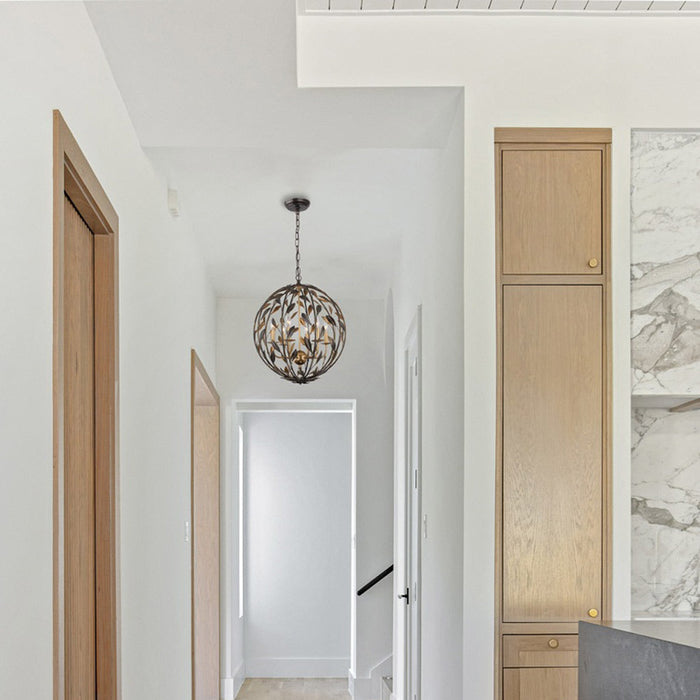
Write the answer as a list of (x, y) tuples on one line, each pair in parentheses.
[(362, 202), (210, 86), (222, 73)]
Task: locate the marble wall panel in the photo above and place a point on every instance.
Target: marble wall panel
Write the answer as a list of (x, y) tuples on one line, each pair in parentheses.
[(665, 222), (665, 512)]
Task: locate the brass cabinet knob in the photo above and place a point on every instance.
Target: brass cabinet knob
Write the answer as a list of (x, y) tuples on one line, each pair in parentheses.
[(593, 262), (553, 643), (592, 613)]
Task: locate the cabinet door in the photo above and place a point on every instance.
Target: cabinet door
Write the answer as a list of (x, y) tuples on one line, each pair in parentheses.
[(552, 211), (541, 650), (540, 684), (552, 452)]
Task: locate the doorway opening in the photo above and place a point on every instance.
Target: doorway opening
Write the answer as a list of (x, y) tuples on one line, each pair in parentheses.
[(205, 533), (295, 463)]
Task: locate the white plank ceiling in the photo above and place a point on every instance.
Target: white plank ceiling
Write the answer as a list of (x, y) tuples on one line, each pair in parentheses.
[(637, 7)]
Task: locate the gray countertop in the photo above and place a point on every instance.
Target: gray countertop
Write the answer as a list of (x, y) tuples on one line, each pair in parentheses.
[(639, 660), (686, 632)]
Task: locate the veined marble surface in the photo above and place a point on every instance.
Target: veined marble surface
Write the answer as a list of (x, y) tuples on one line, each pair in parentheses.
[(665, 512), (665, 210)]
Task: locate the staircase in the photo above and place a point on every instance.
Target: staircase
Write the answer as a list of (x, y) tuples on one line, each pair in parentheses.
[(378, 686)]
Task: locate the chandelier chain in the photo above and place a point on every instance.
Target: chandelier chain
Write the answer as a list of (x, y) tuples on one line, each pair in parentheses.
[(296, 243)]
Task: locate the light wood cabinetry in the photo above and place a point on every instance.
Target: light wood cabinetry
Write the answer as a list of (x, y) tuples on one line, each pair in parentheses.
[(552, 211), (552, 447), (553, 267), (540, 650), (540, 684)]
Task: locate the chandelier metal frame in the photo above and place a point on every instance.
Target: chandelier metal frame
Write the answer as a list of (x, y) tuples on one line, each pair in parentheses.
[(299, 331)]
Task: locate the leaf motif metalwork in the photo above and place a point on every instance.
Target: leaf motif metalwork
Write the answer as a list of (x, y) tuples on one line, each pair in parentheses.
[(299, 332)]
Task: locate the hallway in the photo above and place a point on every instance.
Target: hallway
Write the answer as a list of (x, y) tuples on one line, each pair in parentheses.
[(294, 689)]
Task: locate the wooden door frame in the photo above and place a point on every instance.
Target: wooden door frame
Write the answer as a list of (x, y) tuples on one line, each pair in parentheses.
[(73, 176), (197, 369)]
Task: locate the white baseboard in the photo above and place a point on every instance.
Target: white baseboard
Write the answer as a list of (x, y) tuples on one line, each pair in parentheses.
[(296, 668), (227, 689), (370, 688), (383, 668), (239, 677), (360, 688), (230, 687)]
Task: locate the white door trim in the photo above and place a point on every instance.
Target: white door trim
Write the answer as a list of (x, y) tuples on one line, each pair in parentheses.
[(412, 436)]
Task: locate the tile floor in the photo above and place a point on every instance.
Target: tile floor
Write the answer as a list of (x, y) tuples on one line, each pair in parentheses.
[(294, 689)]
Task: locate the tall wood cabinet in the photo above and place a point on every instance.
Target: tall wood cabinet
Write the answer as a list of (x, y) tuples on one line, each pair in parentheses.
[(553, 310)]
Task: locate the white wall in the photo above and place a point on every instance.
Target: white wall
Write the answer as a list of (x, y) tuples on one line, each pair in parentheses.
[(360, 375), (429, 272), (297, 482), (51, 58), (619, 72)]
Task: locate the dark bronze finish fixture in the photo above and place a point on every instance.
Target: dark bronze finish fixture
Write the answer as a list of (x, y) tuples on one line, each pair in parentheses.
[(299, 331)]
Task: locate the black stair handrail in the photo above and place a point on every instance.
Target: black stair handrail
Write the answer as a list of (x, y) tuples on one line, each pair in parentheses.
[(376, 580)]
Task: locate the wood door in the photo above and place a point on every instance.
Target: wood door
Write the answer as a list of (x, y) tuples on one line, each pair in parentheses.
[(205, 535), (540, 684), (79, 469), (552, 211), (552, 452)]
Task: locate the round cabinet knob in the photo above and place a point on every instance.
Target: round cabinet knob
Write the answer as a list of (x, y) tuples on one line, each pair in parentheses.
[(593, 263), (592, 613), (553, 643)]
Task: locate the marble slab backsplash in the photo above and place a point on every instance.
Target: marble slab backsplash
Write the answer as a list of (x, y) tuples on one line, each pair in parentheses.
[(665, 512), (665, 211)]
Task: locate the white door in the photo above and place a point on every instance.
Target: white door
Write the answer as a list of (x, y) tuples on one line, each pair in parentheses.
[(412, 592)]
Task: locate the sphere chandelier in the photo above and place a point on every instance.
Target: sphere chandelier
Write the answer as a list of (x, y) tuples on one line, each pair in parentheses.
[(299, 331)]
